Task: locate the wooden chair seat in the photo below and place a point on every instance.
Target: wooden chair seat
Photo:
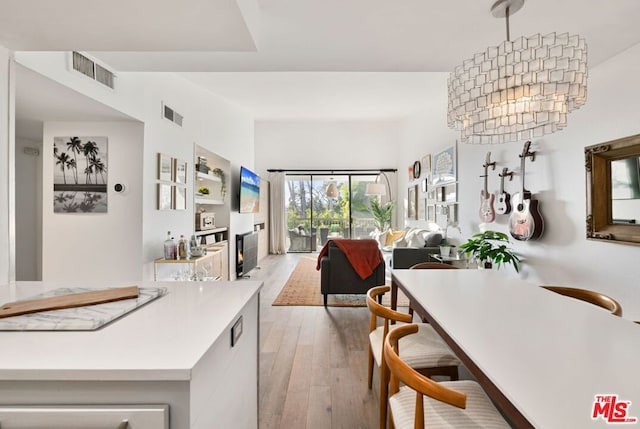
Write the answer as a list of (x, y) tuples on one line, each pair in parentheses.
[(425, 402), (425, 349), (596, 298), (478, 413)]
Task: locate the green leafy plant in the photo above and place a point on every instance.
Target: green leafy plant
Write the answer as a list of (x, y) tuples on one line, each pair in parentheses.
[(381, 214), (223, 180), (203, 190), (491, 246), (335, 228)]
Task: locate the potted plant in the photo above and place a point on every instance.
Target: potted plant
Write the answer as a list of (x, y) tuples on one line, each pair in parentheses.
[(334, 230), (223, 182), (490, 247), (381, 214)]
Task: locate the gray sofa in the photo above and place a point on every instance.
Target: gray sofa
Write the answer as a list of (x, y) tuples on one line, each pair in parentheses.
[(406, 257)]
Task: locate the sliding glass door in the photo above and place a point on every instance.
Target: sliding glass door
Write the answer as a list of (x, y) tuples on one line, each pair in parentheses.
[(320, 207)]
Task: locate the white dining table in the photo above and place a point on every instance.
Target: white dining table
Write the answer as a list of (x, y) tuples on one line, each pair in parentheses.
[(542, 357)]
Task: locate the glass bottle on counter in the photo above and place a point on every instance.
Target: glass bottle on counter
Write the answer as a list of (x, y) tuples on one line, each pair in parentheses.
[(169, 247), (182, 248)]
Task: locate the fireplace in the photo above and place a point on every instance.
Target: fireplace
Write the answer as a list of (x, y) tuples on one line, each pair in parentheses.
[(246, 253)]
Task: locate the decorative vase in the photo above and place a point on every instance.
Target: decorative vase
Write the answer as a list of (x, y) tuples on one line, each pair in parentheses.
[(445, 250)]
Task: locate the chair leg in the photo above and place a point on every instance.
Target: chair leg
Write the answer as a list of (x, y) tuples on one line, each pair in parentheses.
[(325, 299), (384, 393), (370, 374)]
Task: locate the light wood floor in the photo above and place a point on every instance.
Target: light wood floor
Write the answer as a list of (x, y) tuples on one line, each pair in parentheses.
[(313, 361)]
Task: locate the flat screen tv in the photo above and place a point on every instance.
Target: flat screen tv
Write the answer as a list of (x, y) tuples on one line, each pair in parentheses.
[(249, 191)]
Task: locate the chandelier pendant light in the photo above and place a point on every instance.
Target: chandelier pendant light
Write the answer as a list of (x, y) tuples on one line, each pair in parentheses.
[(332, 190), (520, 89)]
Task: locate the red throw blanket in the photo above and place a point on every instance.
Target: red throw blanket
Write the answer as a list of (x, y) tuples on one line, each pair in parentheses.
[(364, 255)]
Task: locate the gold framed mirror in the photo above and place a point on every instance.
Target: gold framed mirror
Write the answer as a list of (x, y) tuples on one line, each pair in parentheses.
[(613, 190)]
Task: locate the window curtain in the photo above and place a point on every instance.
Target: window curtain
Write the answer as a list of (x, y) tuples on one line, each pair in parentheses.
[(278, 237)]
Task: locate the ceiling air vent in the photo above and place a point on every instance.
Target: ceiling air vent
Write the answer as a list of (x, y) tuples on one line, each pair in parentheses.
[(92, 70), (172, 115)]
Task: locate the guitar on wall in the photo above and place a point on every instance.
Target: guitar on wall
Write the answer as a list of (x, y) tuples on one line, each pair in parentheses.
[(525, 222), (503, 199), (487, 213)]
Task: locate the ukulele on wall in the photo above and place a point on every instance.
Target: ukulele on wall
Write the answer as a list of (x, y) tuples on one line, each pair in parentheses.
[(525, 222), (503, 199), (487, 213)]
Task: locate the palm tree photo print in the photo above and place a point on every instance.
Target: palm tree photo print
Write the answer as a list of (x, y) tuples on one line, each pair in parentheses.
[(80, 175)]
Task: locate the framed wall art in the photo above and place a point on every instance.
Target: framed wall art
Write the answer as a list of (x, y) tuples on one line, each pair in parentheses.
[(80, 173), (412, 202), (165, 168), (426, 168), (431, 213), (179, 171), (450, 193), (179, 197), (164, 196), (443, 169)]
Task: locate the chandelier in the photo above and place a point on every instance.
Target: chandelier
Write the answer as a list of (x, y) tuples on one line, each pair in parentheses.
[(519, 89)]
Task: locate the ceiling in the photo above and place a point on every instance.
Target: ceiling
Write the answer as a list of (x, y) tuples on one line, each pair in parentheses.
[(39, 99), (307, 58)]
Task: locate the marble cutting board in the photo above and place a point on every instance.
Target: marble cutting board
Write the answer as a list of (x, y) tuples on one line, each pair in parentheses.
[(86, 318)]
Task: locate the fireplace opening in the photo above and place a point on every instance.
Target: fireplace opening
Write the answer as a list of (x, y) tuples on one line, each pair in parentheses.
[(246, 253)]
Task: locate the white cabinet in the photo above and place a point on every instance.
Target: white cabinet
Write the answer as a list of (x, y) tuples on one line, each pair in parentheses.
[(85, 417)]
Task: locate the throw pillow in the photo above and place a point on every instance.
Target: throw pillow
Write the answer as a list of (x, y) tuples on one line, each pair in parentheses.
[(432, 239), (392, 236), (416, 239)]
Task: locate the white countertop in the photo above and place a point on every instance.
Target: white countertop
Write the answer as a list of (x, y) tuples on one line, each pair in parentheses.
[(162, 340), (549, 354)]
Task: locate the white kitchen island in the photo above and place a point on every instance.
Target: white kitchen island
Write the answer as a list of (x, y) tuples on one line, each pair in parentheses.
[(175, 351)]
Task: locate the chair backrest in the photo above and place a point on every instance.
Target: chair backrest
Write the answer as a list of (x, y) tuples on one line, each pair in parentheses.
[(379, 310), (401, 372), (432, 266), (596, 298)]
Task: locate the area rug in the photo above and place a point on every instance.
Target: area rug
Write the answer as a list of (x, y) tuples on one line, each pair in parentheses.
[(303, 288)]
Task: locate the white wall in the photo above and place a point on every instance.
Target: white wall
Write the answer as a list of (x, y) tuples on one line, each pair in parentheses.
[(6, 152), (562, 256), (28, 207), (326, 144), (209, 121), (105, 246)]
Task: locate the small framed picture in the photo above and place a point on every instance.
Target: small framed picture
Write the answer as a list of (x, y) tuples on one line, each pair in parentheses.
[(165, 168), (412, 202), (453, 213), (431, 195), (426, 168), (179, 197), (164, 196), (179, 171), (431, 213), (450, 194), (425, 185)]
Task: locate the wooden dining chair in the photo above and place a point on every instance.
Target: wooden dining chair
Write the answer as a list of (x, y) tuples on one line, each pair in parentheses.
[(596, 298), (454, 404), (425, 351), (432, 266), (429, 266)]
